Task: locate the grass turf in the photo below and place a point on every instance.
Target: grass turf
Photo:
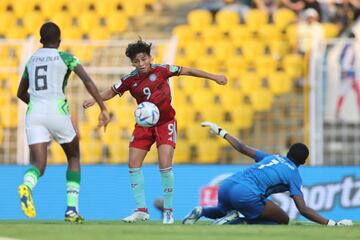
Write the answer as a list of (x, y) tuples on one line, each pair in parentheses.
[(155, 230)]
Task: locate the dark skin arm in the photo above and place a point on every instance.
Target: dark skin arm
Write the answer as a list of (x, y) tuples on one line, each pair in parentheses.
[(105, 95), (307, 212), (92, 89), (240, 146), (90, 86), (22, 92)]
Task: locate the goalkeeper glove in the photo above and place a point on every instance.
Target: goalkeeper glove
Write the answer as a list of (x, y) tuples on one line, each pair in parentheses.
[(215, 129), (344, 222)]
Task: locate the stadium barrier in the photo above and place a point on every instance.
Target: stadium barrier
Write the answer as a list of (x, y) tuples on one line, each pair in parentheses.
[(105, 191)]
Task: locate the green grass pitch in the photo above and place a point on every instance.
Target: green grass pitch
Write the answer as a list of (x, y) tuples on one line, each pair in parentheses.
[(155, 230)]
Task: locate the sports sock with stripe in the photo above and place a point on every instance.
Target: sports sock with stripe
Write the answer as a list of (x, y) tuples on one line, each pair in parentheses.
[(137, 186), (167, 183), (72, 190), (31, 177)]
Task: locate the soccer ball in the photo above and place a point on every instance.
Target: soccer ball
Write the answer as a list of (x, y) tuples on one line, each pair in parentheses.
[(147, 114)]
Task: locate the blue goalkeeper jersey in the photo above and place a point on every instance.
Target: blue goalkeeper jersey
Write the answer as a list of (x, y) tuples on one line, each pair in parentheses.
[(271, 174)]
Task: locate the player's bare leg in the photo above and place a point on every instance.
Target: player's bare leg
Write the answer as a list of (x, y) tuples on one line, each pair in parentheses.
[(165, 154), (72, 153), (38, 159), (136, 158), (273, 212)]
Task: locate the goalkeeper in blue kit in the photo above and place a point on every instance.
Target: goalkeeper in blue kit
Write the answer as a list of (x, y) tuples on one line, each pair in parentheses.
[(247, 192)]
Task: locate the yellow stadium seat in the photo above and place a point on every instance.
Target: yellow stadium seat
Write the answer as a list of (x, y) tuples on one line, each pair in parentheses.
[(227, 20), (183, 61), (71, 33), (63, 20), (236, 66), (265, 65), (16, 33), (194, 50), (293, 65), (279, 83), (196, 133), (255, 19), (56, 154), (261, 100), (242, 116), (292, 34), (249, 82), (83, 52), (49, 8), (269, 32), (232, 99), (283, 17), (331, 30), (199, 19), (33, 21), (214, 113), (119, 152), (1, 134), (278, 48), (4, 5), (88, 21), (72, 7), (85, 130), (117, 21), (182, 152), (202, 98), (8, 21), (222, 50), (208, 151), (133, 8), (9, 116), (184, 33), (20, 7), (152, 155), (211, 35), (252, 49), (103, 8), (208, 64), (91, 151), (240, 34), (99, 33)]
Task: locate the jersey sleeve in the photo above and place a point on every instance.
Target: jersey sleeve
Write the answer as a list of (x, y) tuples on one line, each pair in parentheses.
[(295, 185), (70, 61), (120, 87), (260, 155), (171, 70)]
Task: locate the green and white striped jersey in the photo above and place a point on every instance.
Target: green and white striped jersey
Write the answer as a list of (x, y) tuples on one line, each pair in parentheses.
[(48, 71)]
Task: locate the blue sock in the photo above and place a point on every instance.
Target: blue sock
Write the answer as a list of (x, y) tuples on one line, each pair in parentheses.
[(167, 183), (137, 186)]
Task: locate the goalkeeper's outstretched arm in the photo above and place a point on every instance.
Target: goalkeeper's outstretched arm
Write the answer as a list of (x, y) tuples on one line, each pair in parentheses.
[(312, 215), (236, 143)]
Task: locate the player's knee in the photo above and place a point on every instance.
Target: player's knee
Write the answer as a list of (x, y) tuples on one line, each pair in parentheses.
[(285, 220)]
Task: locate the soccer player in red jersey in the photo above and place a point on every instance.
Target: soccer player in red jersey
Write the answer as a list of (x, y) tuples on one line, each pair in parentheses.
[(149, 82)]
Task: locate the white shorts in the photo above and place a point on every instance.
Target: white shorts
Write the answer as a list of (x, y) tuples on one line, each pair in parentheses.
[(40, 128)]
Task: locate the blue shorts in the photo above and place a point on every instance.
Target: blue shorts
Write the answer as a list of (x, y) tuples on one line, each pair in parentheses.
[(237, 196)]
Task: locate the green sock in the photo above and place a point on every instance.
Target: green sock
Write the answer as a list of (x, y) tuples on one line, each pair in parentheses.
[(72, 189), (137, 186), (167, 183), (31, 177)]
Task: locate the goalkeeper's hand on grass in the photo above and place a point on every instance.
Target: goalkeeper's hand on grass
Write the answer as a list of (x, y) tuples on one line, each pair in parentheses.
[(344, 222), (215, 129)]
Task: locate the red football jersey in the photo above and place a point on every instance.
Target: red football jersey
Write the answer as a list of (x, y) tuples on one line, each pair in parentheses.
[(153, 87)]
